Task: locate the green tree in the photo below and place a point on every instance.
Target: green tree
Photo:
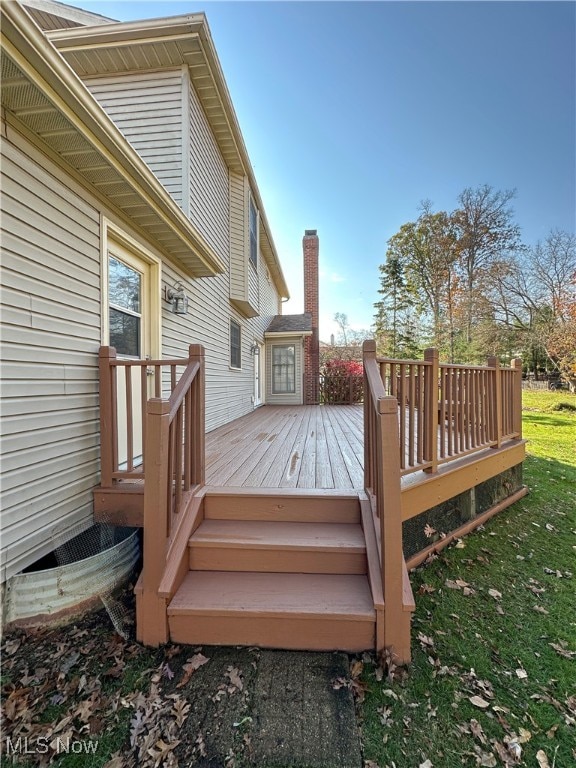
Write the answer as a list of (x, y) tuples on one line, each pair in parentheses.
[(396, 323)]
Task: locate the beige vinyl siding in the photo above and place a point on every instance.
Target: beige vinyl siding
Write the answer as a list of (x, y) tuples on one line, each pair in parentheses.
[(208, 181), (228, 392), (50, 337), (284, 398), (238, 236), (147, 108)]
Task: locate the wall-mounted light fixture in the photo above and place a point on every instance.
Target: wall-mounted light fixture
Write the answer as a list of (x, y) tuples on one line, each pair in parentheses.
[(255, 350), (176, 296)]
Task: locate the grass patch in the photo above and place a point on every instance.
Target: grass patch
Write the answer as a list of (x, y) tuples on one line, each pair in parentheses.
[(511, 647)]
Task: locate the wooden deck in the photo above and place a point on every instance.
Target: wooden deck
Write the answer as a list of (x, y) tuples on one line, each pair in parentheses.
[(289, 447)]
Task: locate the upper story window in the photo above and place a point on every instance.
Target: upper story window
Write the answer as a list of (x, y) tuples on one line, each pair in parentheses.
[(253, 224), (235, 345)]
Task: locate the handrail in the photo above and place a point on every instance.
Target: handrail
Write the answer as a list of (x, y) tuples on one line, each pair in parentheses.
[(174, 455), (382, 481), (374, 381), (176, 398)]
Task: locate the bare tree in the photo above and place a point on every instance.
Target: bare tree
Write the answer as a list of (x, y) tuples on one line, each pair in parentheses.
[(486, 233)]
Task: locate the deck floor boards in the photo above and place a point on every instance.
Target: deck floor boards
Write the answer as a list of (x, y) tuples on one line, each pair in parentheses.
[(289, 447)]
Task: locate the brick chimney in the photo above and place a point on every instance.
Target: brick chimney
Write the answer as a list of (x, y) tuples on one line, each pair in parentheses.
[(310, 245)]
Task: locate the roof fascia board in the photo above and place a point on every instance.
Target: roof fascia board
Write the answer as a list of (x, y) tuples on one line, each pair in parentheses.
[(26, 45), (280, 334)]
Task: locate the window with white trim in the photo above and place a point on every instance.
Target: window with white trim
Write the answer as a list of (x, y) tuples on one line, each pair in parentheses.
[(253, 226), (283, 369), (235, 345)]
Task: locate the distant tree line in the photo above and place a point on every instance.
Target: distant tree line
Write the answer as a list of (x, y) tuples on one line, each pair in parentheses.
[(465, 283)]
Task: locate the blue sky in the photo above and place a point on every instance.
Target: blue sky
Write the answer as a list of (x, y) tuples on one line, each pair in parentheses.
[(354, 112)]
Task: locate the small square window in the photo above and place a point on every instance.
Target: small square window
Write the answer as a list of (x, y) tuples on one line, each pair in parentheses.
[(235, 345), (253, 235)]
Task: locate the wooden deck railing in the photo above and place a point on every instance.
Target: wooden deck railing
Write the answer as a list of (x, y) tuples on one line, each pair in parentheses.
[(447, 411), (125, 386), (174, 457), (382, 483)]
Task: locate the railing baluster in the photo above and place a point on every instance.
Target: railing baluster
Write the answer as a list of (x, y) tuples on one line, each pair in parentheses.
[(431, 405), (129, 419), (402, 398), (411, 412), (143, 401), (179, 434), (188, 433), (157, 381)]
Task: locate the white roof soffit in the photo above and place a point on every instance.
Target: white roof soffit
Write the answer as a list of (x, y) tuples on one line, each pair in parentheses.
[(171, 42), (49, 100)]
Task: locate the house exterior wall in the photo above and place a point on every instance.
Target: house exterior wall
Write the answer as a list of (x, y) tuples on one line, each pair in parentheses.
[(50, 336), (51, 332), (148, 108), (208, 180), (53, 315)]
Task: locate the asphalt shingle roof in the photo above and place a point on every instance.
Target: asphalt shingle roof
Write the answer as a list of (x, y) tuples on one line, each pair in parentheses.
[(291, 324)]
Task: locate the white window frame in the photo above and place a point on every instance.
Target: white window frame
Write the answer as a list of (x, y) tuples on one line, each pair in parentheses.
[(253, 252), (235, 322), (273, 381)]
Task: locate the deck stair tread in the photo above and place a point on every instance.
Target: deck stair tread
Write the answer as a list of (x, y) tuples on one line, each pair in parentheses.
[(319, 537), (274, 595)]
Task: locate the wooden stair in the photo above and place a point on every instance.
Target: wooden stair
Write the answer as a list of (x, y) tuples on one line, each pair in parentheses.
[(277, 570)]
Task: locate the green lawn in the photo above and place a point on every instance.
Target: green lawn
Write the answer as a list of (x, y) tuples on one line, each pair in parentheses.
[(492, 680)]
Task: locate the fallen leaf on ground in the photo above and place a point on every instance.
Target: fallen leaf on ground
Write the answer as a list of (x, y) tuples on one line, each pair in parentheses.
[(429, 531), (12, 646), (495, 594), (562, 651), (521, 674), (487, 760), (542, 759), (477, 731), (540, 609), (426, 764), (234, 675), (478, 701), (190, 667), (356, 668)]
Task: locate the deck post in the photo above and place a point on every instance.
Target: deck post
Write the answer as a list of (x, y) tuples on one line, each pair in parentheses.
[(396, 620), (517, 404), (107, 415), (431, 373), (157, 489), (368, 353), (196, 352), (494, 363)]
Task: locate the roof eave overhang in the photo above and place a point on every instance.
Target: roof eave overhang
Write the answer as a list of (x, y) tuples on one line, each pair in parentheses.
[(45, 69), (192, 36)]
